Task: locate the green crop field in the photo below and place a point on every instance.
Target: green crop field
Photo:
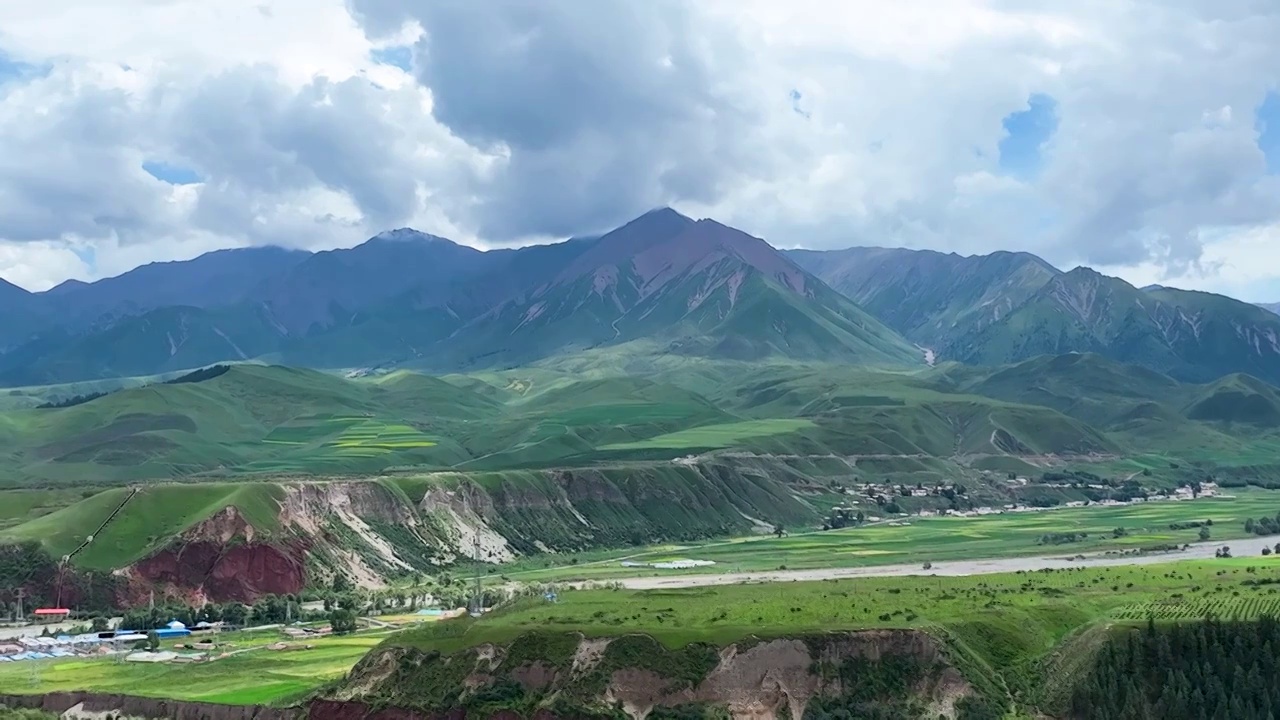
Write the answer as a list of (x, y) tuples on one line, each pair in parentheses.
[(920, 539), (1009, 621), (254, 677), (715, 436)]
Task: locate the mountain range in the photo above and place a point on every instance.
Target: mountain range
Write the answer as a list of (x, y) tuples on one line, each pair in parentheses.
[(1006, 307), (664, 284)]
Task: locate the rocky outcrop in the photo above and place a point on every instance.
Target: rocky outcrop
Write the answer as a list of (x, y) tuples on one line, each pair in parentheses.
[(222, 559), (565, 674), (224, 573)]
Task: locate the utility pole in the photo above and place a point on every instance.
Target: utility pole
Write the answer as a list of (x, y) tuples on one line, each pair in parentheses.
[(20, 592), (477, 601)]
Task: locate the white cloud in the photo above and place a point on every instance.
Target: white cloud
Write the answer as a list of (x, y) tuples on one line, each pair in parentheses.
[(529, 120)]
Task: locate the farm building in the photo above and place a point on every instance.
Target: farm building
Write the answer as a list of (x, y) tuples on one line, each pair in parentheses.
[(51, 615)]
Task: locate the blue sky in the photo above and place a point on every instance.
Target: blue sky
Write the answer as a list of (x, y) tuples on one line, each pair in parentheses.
[(172, 174), (1020, 150), (12, 70), (400, 56)]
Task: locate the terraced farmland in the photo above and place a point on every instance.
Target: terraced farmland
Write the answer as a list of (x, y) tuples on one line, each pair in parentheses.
[(1231, 608), (367, 438)]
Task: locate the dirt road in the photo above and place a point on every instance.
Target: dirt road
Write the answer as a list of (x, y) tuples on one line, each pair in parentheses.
[(1251, 547)]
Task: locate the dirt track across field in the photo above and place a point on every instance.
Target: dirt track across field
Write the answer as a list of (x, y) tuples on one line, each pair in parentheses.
[(1251, 547)]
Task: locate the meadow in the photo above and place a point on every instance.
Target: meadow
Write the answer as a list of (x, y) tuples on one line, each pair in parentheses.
[(146, 521), (252, 677), (1010, 625), (931, 539), (715, 436), (1014, 624)]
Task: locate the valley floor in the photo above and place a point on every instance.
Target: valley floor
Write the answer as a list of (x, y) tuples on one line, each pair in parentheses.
[(1014, 625), (1247, 548), (952, 545)]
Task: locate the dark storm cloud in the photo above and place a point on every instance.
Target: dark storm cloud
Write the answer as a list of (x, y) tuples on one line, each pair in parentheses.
[(602, 109), (244, 125)]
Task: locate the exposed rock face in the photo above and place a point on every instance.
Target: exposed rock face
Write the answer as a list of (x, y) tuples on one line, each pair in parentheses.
[(219, 560), (765, 680), (223, 573)]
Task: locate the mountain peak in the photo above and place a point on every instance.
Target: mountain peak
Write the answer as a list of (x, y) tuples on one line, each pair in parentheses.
[(406, 234), (66, 286), (663, 214)]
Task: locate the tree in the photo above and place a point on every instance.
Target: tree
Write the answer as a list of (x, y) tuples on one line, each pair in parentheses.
[(1204, 533), (153, 640), (342, 621), (99, 624), (779, 531), (235, 614), (341, 583)]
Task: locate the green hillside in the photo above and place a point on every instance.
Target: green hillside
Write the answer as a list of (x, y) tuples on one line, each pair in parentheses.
[(604, 448), (146, 520), (610, 405)]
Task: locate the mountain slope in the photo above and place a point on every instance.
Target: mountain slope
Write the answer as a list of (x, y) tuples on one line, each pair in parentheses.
[(329, 288), (1007, 307), (934, 299), (215, 279), (1085, 386), (21, 314), (162, 340), (1191, 336), (1273, 307), (694, 287)]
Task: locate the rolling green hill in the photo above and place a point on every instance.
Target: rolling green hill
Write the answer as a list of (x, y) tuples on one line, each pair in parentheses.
[(386, 474), (609, 405)]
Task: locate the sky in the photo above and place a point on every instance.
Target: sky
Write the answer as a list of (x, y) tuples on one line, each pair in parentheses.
[(1139, 137)]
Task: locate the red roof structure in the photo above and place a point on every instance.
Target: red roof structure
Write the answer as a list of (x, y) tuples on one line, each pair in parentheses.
[(53, 611)]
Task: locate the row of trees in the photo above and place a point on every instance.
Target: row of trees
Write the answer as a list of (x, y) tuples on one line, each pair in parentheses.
[(1198, 671), (1263, 525)]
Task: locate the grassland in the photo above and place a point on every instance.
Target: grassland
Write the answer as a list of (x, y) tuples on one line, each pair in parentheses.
[(716, 436), (1014, 623), (934, 539), (775, 443), (148, 519), (601, 407), (254, 677)]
